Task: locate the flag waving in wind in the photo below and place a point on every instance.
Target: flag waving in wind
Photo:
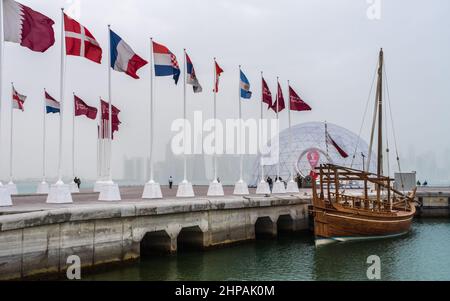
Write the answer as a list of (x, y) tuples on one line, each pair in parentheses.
[(123, 58), (219, 71), (296, 103), (266, 94), (27, 27), (191, 78), (80, 41), (166, 63), (18, 100), (51, 105), (82, 109), (279, 104), (245, 87), (341, 152)]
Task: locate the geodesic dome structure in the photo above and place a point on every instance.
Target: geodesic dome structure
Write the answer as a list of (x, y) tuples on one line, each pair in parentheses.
[(309, 147)]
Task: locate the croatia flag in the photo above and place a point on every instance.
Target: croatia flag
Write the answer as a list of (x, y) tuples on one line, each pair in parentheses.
[(123, 58), (27, 27), (18, 100), (51, 105), (166, 63)]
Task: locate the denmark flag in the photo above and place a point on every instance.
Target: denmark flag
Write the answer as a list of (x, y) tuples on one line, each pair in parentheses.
[(80, 41)]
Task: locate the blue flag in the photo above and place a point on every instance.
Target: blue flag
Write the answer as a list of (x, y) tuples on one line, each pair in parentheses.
[(245, 87)]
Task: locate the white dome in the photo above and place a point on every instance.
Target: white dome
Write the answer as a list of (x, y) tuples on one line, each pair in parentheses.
[(308, 138)]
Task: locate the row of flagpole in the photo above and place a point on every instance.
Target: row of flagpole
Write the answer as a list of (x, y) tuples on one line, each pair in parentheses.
[(109, 191)]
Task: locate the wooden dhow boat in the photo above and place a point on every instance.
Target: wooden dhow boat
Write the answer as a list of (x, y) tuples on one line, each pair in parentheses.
[(379, 211)]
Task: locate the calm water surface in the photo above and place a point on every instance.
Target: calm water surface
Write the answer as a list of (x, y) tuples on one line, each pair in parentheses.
[(424, 254)]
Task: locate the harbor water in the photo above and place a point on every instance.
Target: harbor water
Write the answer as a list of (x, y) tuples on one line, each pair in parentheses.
[(423, 254)]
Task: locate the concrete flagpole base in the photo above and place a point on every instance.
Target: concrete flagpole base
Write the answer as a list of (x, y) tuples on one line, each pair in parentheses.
[(98, 185), (110, 192), (152, 190), (74, 188), (292, 187), (215, 189), (43, 188), (241, 188), (263, 188), (12, 187), (185, 190), (5, 197), (59, 194), (279, 188)]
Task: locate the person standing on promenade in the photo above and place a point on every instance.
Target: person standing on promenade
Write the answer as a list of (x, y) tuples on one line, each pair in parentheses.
[(170, 182)]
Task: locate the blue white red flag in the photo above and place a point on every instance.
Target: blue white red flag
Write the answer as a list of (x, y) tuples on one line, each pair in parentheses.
[(166, 63), (245, 87), (123, 58), (191, 78), (51, 105)]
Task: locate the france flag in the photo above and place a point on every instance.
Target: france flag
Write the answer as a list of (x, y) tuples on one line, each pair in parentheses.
[(123, 58)]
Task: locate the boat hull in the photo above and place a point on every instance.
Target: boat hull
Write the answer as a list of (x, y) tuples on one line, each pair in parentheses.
[(332, 226)]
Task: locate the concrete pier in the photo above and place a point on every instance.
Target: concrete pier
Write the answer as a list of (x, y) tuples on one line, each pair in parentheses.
[(433, 201), (36, 239)]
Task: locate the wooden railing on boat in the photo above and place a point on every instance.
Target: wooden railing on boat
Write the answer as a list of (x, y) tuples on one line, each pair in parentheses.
[(386, 198)]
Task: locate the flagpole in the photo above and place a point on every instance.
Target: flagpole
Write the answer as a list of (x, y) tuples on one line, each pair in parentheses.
[(185, 117), (262, 118), (152, 174), (215, 123), (241, 163), (73, 138), (110, 107), (278, 121), (11, 149), (290, 132), (44, 136), (1, 75), (61, 97)]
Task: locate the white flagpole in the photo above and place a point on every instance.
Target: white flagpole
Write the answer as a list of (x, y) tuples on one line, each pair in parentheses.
[(241, 163), (290, 131), (44, 136), (152, 174), (185, 116), (11, 149), (262, 118), (1, 75), (278, 121), (110, 108), (215, 122), (99, 128), (73, 137)]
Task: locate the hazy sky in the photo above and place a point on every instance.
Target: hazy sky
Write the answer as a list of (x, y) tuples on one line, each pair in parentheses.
[(326, 48)]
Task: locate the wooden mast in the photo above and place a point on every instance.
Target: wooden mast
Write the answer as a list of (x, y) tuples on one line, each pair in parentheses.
[(380, 123)]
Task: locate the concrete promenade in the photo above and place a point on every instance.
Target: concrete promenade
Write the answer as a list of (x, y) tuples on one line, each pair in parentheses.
[(36, 239)]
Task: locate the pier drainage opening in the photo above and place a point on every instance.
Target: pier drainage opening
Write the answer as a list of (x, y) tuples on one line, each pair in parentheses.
[(156, 243), (190, 238), (285, 224), (265, 228)]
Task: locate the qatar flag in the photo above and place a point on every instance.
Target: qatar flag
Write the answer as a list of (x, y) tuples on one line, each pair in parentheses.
[(82, 109), (27, 27)]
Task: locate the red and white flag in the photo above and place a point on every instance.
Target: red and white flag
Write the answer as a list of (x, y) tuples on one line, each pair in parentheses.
[(27, 27), (18, 100), (279, 104), (82, 109), (219, 72), (80, 41), (339, 149), (266, 94)]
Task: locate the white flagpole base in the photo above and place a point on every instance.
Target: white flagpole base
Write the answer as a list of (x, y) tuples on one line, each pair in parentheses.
[(215, 189), (74, 188), (98, 185), (263, 188), (12, 188), (292, 187), (152, 190), (5, 197), (185, 190), (279, 188), (241, 188), (59, 194), (43, 188), (110, 192)]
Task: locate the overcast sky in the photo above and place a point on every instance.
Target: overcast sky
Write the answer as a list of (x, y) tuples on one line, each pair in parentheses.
[(327, 49)]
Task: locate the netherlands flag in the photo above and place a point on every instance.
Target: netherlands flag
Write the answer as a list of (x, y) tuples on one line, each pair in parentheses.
[(166, 63), (123, 58), (51, 105)]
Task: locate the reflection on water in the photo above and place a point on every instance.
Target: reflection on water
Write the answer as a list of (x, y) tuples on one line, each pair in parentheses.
[(421, 255)]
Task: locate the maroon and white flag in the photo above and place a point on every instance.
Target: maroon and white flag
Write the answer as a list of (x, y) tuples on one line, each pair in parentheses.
[(266, 94), (27, 27), (18, 100), (339, 149), (82, 109), (279, 104), (296, 103), (80, 41)]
